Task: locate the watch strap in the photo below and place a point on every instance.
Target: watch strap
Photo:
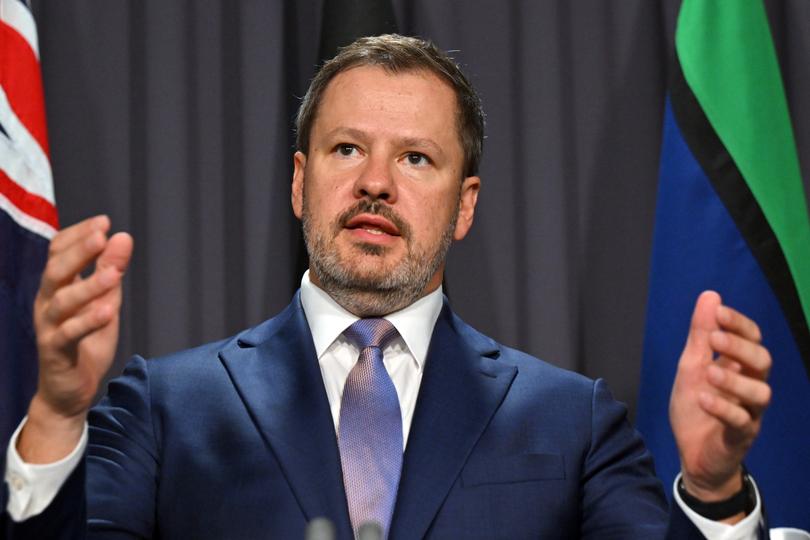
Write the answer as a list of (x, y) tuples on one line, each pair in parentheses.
[(743, 501)]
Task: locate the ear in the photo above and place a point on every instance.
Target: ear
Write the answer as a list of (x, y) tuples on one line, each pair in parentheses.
[(297, 195), (469, 198)]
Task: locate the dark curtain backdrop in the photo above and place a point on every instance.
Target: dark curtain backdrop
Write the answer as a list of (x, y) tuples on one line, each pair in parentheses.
[(174, 117)]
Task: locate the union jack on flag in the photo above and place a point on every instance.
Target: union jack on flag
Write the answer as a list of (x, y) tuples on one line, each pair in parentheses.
[(28, 218)]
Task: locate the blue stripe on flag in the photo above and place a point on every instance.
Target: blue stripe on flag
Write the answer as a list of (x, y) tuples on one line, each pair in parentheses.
[(23, 258)]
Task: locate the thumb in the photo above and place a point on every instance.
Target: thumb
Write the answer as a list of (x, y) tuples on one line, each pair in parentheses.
[(704, 321), (117, 252)]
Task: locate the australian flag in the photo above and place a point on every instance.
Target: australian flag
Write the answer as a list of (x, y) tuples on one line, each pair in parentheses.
[(28, 218)]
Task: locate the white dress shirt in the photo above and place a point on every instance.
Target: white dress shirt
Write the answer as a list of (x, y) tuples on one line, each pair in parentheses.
[(33, 487), (404, 357)]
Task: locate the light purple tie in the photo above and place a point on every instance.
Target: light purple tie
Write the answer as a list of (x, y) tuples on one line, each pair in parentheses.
[(370, 438)]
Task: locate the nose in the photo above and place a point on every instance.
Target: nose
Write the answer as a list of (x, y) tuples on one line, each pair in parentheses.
[(376, 180)]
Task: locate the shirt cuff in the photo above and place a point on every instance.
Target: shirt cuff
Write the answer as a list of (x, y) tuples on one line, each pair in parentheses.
[(32, 487), (714, 530)]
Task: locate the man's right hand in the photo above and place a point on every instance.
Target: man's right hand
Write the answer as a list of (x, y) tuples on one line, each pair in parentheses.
[(76, 321)]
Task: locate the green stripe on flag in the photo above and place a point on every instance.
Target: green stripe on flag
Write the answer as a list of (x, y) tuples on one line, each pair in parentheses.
[(728, 60)]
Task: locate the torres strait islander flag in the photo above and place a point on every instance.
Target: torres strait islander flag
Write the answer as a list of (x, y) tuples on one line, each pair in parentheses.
[(732, 217), (28, 216)]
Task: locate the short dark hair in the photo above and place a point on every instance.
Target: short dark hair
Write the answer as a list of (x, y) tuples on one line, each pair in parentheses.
[(395, 54)]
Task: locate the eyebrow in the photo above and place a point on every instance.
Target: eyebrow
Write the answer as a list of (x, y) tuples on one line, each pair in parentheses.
[(417, 142), (413, 142)]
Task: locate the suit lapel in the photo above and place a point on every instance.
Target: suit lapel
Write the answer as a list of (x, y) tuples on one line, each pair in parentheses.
[(275, 370), (461, 389)]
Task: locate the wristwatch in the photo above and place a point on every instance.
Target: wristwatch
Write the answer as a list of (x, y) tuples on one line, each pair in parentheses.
[(744, 500)]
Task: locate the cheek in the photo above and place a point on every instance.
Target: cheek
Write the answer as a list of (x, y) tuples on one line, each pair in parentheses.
[(435, 211), (325, 197), (446, 201)]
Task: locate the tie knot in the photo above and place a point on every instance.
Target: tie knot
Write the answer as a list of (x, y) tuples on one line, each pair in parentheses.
[(371, 333)]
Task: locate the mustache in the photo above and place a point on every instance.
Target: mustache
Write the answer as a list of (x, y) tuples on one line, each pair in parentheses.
[(378, 208)]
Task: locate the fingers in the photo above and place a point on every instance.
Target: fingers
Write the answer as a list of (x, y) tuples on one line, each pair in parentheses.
[(69, 235), (740, 399), (734, 321), (704, 321), (728, 363), (716, 328), (739, 374), (70, 307), (63, 267), (752, 356), (72, 298), (71, 251), (728, 413), (731, 414), (86, 322), (117, 253), (752, 394)]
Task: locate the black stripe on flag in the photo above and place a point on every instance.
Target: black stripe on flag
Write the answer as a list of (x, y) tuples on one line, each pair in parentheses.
[(731, 187)]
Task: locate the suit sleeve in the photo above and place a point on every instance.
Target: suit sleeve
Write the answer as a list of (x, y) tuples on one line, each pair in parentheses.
[(111, 494), (622, 498)]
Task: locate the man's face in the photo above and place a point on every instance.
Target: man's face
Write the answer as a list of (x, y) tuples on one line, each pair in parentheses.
[(380, 191)]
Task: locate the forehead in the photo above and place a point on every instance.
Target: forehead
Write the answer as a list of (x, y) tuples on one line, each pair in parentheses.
[(415, 103)]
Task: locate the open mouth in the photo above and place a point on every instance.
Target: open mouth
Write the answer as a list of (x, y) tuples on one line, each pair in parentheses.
[(373, 225)]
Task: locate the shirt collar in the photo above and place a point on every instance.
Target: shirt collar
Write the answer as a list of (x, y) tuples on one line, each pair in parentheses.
[(327, 319)]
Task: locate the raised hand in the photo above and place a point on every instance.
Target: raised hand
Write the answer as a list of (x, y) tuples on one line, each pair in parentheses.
[(76, 321), (717, 404)]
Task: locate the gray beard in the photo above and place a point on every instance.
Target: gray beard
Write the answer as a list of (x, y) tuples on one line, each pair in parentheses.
[(373, 295)]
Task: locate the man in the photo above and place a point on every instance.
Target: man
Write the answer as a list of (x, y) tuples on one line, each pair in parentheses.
[(258, 434)]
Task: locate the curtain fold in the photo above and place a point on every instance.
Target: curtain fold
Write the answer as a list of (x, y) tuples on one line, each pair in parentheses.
[(175, 118)]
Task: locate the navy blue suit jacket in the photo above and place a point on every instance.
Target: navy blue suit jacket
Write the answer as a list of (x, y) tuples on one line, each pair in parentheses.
[(235, 440)]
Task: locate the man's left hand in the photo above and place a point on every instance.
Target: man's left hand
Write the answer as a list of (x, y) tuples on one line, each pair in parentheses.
[(717, 403)]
